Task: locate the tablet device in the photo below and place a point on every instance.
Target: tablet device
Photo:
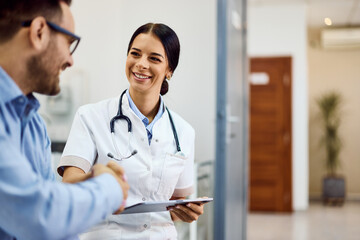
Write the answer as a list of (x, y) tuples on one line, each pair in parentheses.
[(161, 206)]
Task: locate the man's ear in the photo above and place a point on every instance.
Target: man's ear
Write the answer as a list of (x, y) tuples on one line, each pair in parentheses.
[(39, 33)]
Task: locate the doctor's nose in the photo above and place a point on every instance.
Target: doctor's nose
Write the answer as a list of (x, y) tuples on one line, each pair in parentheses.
[(142, 63)]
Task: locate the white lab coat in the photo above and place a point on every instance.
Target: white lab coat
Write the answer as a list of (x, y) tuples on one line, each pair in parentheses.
[(154, 173)]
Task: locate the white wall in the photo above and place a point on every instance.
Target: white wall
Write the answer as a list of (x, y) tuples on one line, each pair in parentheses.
[(280, 30), (106, 27), (328, 73)]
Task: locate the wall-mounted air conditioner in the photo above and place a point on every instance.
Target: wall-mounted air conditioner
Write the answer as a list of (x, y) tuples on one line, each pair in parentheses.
[(340, 38)]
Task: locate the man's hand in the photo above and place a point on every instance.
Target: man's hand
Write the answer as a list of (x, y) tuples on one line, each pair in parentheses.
[(118, 172)]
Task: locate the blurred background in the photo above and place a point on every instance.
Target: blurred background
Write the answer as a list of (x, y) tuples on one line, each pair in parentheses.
[(250, 78)]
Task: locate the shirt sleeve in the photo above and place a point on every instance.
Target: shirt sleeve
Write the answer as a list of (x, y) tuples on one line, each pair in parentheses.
[(80, 149), (34, 208), (49, 173)]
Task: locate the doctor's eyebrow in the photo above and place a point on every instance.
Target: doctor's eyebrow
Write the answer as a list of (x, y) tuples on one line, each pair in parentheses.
[(153, 53)]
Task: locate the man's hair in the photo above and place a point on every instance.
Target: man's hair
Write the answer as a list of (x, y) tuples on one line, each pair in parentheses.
[(14, 12)]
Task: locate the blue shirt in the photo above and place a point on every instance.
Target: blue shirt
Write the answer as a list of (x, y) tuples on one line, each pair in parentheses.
[(32, 204), (144, 119)]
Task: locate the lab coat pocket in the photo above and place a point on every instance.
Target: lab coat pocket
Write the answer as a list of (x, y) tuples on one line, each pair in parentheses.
[(171, 171)]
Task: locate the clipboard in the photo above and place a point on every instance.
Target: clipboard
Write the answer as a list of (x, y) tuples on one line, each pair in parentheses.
[(145, 207)]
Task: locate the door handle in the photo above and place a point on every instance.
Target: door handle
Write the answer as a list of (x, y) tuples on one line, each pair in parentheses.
[(230, 119)]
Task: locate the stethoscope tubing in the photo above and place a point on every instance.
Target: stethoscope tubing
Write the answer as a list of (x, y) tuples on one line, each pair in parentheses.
[(174, 131), (121, 116)]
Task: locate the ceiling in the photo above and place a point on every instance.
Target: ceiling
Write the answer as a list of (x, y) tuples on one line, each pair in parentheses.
[(341, 12)]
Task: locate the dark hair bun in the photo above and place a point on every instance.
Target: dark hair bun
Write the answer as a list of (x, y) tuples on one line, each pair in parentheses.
[(164, 87)]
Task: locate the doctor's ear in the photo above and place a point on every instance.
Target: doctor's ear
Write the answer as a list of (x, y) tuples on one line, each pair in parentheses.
[(168, 76), (39, 33)]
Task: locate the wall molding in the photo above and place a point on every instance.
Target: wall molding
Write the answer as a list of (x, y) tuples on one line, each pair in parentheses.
[(316, 196)]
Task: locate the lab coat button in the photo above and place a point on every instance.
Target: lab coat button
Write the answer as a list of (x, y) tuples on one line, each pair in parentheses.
[(143, 199), (145, 226), (142, 139), (156, 140), (148, 168)]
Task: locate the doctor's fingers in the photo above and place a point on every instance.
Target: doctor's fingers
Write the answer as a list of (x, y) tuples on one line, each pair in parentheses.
[(122, 208), (117, 169), (125, 187), (185, 214), (123, 184), (100, 169), (197, 208)]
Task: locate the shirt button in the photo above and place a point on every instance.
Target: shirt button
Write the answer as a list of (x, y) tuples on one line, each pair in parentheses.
[(145, 226), (21, 100), (143, 199)]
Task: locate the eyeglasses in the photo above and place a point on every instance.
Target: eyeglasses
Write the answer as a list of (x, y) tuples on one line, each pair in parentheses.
[(74, 39)]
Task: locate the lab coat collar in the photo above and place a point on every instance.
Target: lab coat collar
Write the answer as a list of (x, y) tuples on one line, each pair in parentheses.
[(164, 119)]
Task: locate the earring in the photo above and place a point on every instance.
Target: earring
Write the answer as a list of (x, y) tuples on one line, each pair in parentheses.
[(168, 78)]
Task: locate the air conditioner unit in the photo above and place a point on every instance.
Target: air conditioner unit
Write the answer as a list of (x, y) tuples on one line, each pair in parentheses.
[(340, 38)]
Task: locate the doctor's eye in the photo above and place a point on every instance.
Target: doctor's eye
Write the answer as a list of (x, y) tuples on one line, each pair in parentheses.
[(135, 54), (155, 59)]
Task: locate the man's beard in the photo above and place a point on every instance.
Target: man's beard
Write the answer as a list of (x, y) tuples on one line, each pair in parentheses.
[(43, 73)]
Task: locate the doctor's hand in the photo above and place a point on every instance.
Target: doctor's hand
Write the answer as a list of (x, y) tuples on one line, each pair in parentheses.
[(118, 172), (186, 213)]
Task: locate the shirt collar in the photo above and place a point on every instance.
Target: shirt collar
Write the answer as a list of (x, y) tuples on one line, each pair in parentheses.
[(34, 103), (144, 119), (10, 92), (8, 88)]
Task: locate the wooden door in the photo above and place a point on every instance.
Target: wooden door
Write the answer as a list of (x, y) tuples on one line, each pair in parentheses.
[(270, 134)]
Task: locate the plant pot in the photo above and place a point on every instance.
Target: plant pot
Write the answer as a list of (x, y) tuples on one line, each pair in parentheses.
[(333, 190)]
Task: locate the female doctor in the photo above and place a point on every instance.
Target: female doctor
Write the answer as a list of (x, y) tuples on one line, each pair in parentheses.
[(154, 145)]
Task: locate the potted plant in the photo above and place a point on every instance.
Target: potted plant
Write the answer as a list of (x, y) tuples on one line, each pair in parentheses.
[(333, 188)]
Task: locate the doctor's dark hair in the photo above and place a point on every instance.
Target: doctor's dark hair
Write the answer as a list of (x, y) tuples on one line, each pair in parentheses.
[(14, 12), (170, 42)]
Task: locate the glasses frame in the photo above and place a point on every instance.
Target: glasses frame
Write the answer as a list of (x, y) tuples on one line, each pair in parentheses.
[(59, 29)]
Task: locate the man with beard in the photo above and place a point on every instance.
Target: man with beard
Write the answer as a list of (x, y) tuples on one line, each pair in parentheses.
[(36, 44)]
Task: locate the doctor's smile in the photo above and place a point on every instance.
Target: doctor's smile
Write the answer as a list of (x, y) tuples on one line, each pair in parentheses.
[(140, 77)]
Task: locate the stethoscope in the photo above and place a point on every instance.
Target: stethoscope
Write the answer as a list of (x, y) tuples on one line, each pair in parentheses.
[(121, 116)]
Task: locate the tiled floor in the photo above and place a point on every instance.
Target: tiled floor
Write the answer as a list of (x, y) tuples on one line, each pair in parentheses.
[(317, 223)]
